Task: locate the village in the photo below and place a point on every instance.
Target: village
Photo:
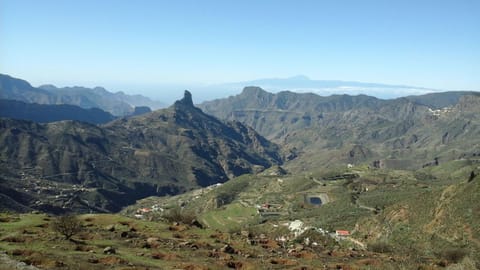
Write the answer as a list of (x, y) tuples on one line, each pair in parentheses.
[(46, 190)]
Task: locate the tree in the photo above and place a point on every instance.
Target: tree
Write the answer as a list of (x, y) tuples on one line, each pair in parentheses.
[(67, 225)]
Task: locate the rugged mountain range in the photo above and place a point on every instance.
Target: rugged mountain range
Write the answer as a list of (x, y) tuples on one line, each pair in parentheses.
[(84, 167), (340, 129), (118, 104), (173, 150)]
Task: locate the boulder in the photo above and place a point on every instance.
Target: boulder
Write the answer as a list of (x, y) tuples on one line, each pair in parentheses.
[(109, 250), (110, 228), (227, 249)]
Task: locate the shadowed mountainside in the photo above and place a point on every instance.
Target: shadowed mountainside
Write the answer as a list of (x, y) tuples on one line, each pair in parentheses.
[(42, 113), (102, 168)]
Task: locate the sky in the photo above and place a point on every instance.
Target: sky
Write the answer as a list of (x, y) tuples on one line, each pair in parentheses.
[(147, 46)]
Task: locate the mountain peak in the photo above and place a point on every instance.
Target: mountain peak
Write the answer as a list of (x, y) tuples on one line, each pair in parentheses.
[(186, 100), (255, 90)]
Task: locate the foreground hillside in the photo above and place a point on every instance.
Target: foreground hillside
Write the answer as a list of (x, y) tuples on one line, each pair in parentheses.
[(429, 217), (403, 133), (80, 167), (115, 242)]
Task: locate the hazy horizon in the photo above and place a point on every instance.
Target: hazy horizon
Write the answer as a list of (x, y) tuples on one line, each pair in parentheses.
[(168, 93)]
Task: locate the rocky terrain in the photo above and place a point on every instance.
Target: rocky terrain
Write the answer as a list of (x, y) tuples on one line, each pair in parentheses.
[(102, 168), (328, 131), (380, 219), (115, 242), (426, 217)]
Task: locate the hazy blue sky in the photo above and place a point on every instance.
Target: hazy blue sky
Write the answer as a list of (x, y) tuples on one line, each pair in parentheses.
[(140, 44)]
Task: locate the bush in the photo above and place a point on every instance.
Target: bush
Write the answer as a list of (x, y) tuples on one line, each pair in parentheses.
[(224, 198), (380, 247), (228, 192), (454, 255), (177, 215), (67, 225)]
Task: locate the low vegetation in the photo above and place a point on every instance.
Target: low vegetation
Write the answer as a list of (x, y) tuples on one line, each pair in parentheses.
[(380, 247), (177, 214), (396, 220), (419, 216), (117, 242), (454, 255), (67, 225)]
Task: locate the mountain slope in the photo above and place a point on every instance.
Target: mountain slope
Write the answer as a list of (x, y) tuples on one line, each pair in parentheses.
[(102, 168), (437, 217), (50, 113), (118, 104), (334, 130), (440, 100), (257, 98), (17, 89)]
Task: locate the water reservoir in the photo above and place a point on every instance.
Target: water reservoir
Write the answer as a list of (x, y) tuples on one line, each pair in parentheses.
[(315, 200)]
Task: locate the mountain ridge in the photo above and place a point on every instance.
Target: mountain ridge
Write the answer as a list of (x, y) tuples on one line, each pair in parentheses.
[(118, 104), (326, 129), (303, 84)]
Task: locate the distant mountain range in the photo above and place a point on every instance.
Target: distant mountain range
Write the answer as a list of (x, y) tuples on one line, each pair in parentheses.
[(84, 167), (303, 84), (118, 104)]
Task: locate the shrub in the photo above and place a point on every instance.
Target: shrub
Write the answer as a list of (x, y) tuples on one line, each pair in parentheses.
[(177, 215), (471, 177), (380, 247), (67, 225), (224, 198), (14, 239), (454, 255)]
